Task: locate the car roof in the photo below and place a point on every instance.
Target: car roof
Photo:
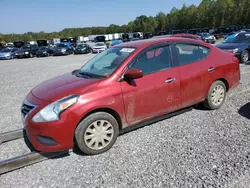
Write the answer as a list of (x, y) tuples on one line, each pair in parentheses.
[(151, 41)]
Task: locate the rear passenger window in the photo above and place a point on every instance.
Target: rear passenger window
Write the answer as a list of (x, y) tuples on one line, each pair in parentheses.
[(154, 60), (188, 53)]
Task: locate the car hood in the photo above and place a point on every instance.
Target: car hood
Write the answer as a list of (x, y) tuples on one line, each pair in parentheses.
[(42, 51), (80, 48), (231, 45), (23, 50), (99, 47), (4, 53), (60, 48), (62, 86)]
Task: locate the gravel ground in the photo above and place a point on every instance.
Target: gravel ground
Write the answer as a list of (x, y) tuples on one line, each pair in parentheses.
[(195, 149)]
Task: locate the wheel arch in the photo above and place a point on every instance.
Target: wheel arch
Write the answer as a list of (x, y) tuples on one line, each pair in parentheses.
[(225, 82), (110, 111)]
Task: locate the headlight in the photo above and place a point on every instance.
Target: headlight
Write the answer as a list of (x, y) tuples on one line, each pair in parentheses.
[(26, 52), (235, 50), (52, 111), (6, 55), (63, 50)]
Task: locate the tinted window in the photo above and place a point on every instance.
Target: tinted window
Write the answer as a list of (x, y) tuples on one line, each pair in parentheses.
[(188, 53), (153, 60)]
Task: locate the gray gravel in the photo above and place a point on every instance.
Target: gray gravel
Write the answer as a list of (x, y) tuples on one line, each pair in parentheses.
[(195, 149)]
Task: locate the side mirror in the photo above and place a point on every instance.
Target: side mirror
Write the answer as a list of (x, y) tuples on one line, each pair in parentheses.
[(75, 71), (133, 74)]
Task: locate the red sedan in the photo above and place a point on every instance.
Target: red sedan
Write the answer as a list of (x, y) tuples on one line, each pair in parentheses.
[(127, 84)]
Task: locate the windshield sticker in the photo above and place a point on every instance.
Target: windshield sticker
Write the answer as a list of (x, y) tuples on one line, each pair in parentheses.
[(129, 50)]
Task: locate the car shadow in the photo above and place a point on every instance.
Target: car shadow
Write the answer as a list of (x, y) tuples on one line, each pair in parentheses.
[(77, 151), (245, 110)]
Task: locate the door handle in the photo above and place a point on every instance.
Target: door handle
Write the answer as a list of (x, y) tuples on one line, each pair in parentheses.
[(170, 80), (211, 69)]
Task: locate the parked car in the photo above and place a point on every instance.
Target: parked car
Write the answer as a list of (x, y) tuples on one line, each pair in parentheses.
[(8, 53), (63, 48), (82, 48), (239, 44), (115, 42), (27, 51), (99, 47), (18, 44), (207, 37), (186, 35), (44, 51), (231, 33), (123, 86)]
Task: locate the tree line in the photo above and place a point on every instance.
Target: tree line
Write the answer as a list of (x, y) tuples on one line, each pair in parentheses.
[(209, 13)]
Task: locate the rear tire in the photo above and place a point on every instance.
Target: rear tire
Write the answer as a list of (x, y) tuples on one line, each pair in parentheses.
[(96, 133), (244, 57), (216, 96)]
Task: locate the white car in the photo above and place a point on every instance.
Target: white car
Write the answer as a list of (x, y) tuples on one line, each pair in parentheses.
[(99, 47)]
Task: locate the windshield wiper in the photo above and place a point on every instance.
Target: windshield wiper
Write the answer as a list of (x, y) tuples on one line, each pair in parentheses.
[(90, 75), (85, 74)]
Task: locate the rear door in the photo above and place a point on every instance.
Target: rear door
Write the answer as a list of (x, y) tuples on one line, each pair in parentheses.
[(158, 91), (196, 71)]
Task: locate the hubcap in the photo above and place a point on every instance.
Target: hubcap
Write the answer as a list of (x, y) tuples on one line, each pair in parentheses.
[(218, 94), (245, 56), (98, 134)]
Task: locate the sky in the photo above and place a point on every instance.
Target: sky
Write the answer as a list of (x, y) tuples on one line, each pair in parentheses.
[(20, 16)]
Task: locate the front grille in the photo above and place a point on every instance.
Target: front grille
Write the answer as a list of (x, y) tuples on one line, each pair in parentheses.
[(27, 108)]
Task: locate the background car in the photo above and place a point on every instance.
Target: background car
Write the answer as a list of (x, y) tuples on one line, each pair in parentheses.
[(231, 33), (99, 47), (207, 37), (185, 35), (63, 48), (8, 53), (44, 51), (239, 44), (27, 51), (82, 48), (116, 41)]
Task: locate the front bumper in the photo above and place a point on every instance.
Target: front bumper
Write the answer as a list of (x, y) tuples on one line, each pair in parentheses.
[(49, 136), (22, 55), (60, 53), (80, 52), (97, 50), (210, 40), (5, 57), (42, 54)]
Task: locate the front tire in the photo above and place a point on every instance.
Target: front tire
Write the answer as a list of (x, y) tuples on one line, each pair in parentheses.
[(216, 96), (97, 133)]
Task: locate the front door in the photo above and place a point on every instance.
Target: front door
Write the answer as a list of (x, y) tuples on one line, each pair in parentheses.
[(157, 92)]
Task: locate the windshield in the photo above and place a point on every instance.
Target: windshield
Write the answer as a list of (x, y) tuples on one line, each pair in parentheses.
[(205, 34), (238, 38), (6, 50), (43, 48), (105, 63), (81, 45), (61, 45), (100, 44), (25, 47)]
